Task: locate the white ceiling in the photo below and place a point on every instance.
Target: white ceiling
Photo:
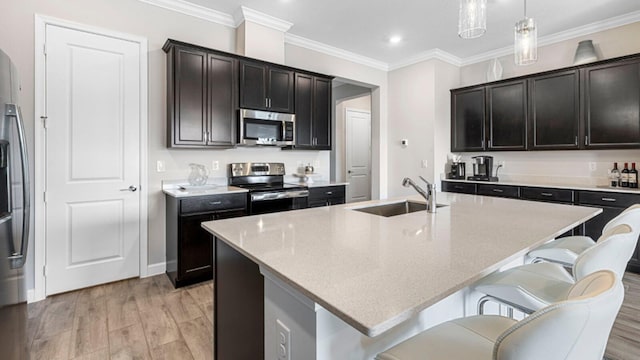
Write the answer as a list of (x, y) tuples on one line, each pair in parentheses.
[(364, 26)]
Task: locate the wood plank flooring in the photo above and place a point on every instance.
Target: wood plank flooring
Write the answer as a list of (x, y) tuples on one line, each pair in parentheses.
[(149, 319)]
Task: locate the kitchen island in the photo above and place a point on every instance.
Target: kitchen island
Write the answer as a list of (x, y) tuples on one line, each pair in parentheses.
[(347, 284)]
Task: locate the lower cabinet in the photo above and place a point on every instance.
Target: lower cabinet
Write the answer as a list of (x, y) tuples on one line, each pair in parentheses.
[(459, 187), (326, 196), (189, 248), (612, 205), (499, 190)]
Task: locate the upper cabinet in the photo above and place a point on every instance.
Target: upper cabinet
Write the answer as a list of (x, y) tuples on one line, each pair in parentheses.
[(612, 105), (593, 106), (554, 118), (266, 87), (507, 116), (468, 119), (313, 112), (201, 98)]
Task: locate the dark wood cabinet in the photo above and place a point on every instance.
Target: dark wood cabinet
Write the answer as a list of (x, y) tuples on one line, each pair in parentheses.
[(591, 106), (266, 87), (459, 187), (238, 306), (547, 194), (313, 112), (201, 100), (326, 196), (507, 116), (506, 191), (612, 204), (612, 105), (468, 119), (189, 247), (554, 111)]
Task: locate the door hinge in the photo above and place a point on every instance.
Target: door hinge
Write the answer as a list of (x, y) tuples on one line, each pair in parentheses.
[(45, 121), (44, 49), (45, 271), (44, 197)]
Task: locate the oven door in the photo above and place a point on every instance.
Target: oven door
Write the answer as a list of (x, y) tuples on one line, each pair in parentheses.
[(266, 128), (269, 202)]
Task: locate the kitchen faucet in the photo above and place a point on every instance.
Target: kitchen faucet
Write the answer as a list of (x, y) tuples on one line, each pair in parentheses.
[(429, 195)]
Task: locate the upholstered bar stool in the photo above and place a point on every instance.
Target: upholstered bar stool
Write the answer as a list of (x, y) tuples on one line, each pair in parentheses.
[(576, 328), (531, 287), (565, 250)]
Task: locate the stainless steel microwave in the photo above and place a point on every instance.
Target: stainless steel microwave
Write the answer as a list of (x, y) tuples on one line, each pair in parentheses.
[(266, 128)]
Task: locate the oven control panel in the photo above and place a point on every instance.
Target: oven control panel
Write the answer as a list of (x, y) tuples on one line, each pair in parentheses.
[(255, 169)]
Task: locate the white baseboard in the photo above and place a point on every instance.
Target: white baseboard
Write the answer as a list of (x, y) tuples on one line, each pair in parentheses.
[(156, 269)]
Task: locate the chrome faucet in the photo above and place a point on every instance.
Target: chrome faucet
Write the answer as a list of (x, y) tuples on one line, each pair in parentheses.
[(429, 195)]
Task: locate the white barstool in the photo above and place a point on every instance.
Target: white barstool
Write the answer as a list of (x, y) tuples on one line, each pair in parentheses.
[(565, 250), (576, 328), (531, 287)]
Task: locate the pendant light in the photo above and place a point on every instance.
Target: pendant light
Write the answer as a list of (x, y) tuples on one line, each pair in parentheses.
[(526, 40), (472, 19)]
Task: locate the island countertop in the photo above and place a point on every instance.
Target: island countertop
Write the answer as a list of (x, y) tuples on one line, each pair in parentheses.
[(375, 272)]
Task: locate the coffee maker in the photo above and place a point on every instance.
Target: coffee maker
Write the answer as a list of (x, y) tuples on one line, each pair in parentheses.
[(457, 171), (483, 169)]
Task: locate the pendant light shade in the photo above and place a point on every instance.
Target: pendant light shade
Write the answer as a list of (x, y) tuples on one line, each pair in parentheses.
[(526, 40), (472, 19)]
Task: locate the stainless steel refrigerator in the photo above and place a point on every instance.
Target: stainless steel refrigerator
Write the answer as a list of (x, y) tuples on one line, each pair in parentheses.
[(14, 216)]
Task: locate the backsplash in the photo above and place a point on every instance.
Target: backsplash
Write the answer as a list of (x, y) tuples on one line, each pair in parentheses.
[(581, 167)]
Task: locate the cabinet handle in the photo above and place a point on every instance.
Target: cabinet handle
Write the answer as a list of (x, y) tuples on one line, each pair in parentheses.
[(458, 187), (546, 194), (498, 190), (576, 141), (586, 140), (329, 192), (199, 268), (266, 102), (215, 202), (609, 199), (489, 143), (482, 144), (206, 137)]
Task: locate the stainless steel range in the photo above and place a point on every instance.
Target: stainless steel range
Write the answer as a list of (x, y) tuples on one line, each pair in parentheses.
[(267, 189)]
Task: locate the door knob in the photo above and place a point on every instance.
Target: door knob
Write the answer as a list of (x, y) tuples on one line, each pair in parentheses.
[(349, 171), (130, 188)]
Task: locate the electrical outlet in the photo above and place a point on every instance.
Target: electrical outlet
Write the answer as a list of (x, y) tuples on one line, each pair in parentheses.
[(503, 164), (425, 163), (316, 163), (215, 165), (593, 166), (160, 166), (284, 341)]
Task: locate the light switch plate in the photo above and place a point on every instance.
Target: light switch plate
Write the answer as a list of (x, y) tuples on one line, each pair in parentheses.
[(160, 166), (215, 165), (593, 166), (284, 341), (425, 163)]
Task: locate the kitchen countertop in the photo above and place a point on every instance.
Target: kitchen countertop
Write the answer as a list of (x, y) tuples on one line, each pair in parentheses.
[(181, 189), (553, 185), (318, 183), (375, 272)]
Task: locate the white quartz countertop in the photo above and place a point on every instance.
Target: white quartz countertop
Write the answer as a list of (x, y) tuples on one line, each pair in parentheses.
[(318, 183), (189, 191), (554, 185), (375, 272)]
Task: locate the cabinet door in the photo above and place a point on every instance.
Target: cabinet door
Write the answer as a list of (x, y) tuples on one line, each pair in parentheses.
[(223, 87), (612, 105), (195, 248), (322, 113), (507, 116), (188, 122), (304, 110), (280, 91), (253, 85), (554, 111), (467, 120)]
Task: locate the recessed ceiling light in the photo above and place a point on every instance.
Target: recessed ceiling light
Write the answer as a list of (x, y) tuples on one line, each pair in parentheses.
[(395, 39)]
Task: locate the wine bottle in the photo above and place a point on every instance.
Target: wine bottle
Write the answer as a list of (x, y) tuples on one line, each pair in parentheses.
[(615, 175), (624, 176), (633, 176)]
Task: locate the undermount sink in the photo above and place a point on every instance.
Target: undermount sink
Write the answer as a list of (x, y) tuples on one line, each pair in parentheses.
[(394, 209)]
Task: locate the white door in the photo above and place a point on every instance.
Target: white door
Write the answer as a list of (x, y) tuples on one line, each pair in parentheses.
[(358, 155), (92, 159)]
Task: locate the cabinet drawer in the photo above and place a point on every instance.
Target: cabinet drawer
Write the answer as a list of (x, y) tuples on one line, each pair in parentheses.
[(498, 190), (546, 194), (605, 198), (459, 187), (327, 192), (213, 203)]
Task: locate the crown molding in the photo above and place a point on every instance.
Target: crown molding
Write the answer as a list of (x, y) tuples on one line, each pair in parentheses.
[(334, 51), (426, 56), (560, 36), (246, 14), (187, 8)]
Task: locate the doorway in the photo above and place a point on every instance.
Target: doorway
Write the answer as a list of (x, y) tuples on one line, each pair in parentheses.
[(90, 157)]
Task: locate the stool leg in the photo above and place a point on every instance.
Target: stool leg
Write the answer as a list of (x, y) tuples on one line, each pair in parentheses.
[(483, 300), (510, 312)]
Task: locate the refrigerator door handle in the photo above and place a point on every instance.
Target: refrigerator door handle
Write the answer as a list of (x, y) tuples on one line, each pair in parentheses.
[(18, 259)]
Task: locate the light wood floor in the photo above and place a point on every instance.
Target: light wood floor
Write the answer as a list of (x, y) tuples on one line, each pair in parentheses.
[(149, 319), (131, 319)]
